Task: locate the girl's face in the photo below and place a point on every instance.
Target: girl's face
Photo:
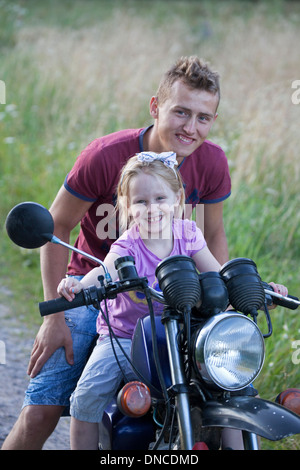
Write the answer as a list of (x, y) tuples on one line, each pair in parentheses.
[(151, 205)]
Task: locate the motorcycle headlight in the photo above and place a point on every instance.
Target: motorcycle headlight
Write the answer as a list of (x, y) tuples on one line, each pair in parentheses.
[(229, 351)]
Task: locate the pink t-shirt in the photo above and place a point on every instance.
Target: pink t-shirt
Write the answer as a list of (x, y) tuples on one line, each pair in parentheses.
[(128, 307), (95, 175)]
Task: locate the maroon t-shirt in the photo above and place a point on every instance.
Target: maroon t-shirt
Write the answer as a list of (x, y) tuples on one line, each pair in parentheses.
[(95, 175)]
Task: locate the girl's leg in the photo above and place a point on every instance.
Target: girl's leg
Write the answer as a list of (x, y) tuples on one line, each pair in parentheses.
[(83, 435), (95, 389)]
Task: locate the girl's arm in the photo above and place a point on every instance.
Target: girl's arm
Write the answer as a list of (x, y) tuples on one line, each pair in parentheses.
[(70, 286), (205, 261)]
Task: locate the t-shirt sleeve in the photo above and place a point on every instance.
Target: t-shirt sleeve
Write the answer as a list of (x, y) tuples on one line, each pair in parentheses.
[(218, 184), (96, 171), (83, 179), (206, 175), (124, 246), (190, 236)]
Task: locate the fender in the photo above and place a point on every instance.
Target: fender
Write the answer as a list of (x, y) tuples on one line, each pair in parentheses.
[(120, 432), (262, 417)]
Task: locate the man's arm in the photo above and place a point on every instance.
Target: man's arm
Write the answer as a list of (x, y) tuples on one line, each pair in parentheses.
[(67, 211), (209, 218)]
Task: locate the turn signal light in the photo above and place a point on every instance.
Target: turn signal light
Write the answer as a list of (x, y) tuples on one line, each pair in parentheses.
[(290, 398), (134, 399)]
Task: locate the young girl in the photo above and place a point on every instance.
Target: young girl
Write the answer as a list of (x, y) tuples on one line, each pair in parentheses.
[(150, 202)]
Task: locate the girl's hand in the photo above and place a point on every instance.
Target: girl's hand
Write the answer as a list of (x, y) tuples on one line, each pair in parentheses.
[(279, 289), (68, 287)]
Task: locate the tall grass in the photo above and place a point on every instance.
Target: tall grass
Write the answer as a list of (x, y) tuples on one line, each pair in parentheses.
[(75, 70)]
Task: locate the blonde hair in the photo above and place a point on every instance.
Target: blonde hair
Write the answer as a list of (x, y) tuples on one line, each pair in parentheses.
[(133, 168)]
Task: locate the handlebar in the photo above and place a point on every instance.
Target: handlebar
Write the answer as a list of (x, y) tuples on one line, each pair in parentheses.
[(289, 301), (93, 295), (61, 304)]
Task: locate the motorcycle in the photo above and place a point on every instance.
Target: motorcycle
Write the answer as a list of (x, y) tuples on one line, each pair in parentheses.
[(195, 364)]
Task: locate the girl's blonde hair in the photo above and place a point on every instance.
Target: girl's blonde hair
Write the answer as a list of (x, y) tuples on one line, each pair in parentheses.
[(133, 168)]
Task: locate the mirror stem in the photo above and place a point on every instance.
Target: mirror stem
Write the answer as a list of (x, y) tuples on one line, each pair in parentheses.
[(57, 241)]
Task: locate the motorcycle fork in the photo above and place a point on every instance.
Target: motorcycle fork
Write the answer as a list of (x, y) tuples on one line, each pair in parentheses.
[(251, 441), (178, 379), (182, 397)]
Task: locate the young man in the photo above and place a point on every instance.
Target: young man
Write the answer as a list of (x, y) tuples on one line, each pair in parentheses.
[(184, 111)]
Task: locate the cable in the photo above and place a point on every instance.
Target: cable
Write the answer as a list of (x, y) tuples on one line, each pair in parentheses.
[(112, 343), (158, 368), (156, 360), (112, 333)]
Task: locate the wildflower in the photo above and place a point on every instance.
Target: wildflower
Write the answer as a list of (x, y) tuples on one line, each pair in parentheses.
[(9, 140)]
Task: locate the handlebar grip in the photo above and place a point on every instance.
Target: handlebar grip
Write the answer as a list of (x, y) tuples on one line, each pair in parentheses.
[(283, 302), (61, 304)]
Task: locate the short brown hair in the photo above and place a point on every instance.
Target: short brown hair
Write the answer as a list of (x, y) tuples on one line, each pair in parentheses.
[(194, 73)]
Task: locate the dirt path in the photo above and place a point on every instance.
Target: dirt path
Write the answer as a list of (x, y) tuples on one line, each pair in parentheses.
[(16, 341)]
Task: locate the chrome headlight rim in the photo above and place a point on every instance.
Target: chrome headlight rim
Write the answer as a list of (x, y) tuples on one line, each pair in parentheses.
[(204, 334)]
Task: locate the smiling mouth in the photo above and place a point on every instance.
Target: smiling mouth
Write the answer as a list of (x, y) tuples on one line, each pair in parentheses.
[(152, 220), (185, 140)]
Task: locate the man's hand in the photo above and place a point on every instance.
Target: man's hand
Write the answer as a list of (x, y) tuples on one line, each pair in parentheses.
[(53, 334), (67, 210)]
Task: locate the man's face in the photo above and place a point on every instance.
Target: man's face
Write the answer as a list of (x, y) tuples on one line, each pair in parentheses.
[(183, 121)]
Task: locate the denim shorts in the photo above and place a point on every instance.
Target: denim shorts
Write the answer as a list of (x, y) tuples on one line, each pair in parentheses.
[(100, 379), (57, 379)]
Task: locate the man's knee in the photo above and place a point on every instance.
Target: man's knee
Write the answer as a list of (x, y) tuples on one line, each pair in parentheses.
[(33, 427), (40, 416)]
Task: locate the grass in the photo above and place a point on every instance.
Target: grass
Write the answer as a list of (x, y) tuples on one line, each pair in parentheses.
[(75, 70)]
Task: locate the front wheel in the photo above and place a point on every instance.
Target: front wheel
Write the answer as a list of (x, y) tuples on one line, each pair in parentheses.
[(211, 437)]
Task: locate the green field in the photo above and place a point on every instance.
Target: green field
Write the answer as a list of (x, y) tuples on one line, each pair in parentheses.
[(75, 70)]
